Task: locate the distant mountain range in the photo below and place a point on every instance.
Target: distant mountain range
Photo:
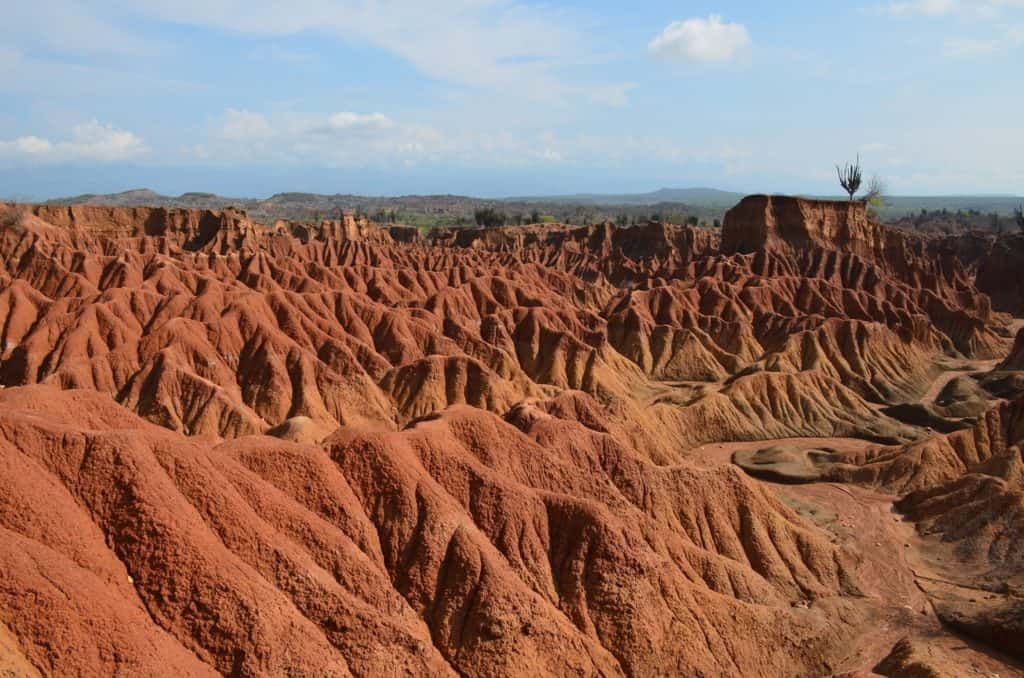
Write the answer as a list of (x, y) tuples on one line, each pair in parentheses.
[(714, 198), (698, 197), (706, 204), (439, 210)]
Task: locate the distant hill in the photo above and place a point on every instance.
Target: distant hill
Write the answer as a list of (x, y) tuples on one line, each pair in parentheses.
[(697, 197), (671, 204), (899, 206), (437, 210)]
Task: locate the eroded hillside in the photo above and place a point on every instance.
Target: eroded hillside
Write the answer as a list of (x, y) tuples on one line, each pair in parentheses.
[(344, 449)]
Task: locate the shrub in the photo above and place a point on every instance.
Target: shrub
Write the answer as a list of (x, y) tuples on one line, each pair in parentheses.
[(489, 217), (12, 219)]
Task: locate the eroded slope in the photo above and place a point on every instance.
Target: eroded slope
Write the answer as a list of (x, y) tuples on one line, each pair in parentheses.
[(338, 449)]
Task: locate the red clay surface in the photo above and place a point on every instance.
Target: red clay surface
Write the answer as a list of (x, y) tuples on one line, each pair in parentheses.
[(289, 449)]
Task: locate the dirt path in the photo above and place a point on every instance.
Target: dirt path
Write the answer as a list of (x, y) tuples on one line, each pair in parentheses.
[(969, 367), (714, 454)]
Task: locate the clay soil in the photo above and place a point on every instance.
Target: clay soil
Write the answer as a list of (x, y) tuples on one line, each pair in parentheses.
[(789, 447)]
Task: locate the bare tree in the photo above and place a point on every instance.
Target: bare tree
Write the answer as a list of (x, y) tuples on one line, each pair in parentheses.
[(877, 191), (1019, 216), (850, 177), (875, 197)]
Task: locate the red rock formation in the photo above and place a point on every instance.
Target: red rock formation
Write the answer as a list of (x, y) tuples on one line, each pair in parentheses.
[(340, 449), (761, 221), (460, 544)]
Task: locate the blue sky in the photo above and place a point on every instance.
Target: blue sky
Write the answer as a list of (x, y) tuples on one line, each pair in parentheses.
[(498, 97)]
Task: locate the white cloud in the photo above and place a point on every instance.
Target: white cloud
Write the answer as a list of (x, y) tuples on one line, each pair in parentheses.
[(358, 139), (922, 7), (242, 125), (90, 142), (701, 40), (511, 46), (359, 121), (68, 26), (245, 126), (985, 9), (989, 15), (337, 139), (23, 74), (31, 146)]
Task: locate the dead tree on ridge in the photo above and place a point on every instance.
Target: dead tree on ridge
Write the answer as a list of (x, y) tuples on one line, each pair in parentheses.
[(877, 192), (850, 177)]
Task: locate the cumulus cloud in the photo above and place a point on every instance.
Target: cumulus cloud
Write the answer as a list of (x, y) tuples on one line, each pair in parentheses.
[(369, 139), (359, 121), (701, 41), (244, 125), (340, 138), (89, 142)]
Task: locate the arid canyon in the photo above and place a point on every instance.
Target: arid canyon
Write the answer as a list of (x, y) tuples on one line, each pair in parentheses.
[(789, 446)]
